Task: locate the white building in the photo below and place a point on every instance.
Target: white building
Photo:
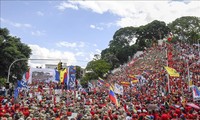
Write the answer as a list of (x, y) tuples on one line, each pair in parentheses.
[(51, 66)]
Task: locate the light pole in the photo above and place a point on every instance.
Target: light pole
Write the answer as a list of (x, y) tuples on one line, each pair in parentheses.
[(167, 66), (21, 59)]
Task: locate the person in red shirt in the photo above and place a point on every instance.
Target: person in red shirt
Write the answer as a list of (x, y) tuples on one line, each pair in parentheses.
[(165, 116), (69, 113)]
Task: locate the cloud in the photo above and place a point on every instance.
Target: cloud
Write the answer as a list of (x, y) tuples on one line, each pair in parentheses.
[(16, 24), (108, 25), (91, 55), (70, 45), (95, 45), (92, 26), (39, 13), (136, 13), (38, 33), (20, 25), (44, 53), (184, 1), (98, 51), (95, 27), (2, 20), (80, 54), (65, 5)]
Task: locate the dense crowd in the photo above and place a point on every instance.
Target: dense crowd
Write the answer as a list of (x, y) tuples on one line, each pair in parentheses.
[(149, 99)]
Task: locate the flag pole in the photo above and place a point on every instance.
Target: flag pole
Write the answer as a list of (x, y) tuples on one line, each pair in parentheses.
[(188, 70), (167, 66)]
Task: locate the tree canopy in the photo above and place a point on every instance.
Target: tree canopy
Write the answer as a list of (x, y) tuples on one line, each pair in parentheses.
[(96, 68), (187, 28), (11, 49)]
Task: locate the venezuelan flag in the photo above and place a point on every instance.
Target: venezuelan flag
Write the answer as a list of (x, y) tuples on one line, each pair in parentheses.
[(101, 80), (113, 97)]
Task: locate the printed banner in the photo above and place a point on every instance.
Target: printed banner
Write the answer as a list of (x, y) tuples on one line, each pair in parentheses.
[(71, 83), (118, 89), (41, 75), (196, 93)]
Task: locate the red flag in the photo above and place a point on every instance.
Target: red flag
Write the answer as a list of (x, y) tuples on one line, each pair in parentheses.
[(27, 74), (169, 55)]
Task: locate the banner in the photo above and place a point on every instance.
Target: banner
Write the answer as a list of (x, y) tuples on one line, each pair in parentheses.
[(196, 93), (71, 83), (118, 89), (41, 75)]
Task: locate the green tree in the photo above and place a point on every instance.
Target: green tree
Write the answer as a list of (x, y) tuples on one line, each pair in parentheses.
[(88, 76), (110, 57), (11, 49), (121, 46), (79, 72), (122, 38), (98, 67), (2, 81), (150, 33), (187, 28)]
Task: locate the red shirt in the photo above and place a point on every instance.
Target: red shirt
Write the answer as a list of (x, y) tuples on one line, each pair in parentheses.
[(165, 117)]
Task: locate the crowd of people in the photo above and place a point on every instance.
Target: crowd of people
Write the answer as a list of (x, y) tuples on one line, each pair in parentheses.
[(156, 97)]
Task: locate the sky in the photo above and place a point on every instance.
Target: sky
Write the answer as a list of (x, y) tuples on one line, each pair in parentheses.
[(74, 31)]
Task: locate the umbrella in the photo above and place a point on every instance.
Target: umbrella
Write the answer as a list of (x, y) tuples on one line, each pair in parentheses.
[(152, 107), (193, 105)]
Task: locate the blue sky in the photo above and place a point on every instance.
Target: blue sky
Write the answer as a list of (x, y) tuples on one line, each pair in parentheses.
[(76, 30)]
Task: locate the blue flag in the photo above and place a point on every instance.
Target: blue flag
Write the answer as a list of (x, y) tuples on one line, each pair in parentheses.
[(16, 93), (57, 75), (21, 83)]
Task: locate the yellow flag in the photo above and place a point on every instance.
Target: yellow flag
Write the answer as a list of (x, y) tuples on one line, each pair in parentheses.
[(62, 75), (172, 72), (134, 81), (190, 83)]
